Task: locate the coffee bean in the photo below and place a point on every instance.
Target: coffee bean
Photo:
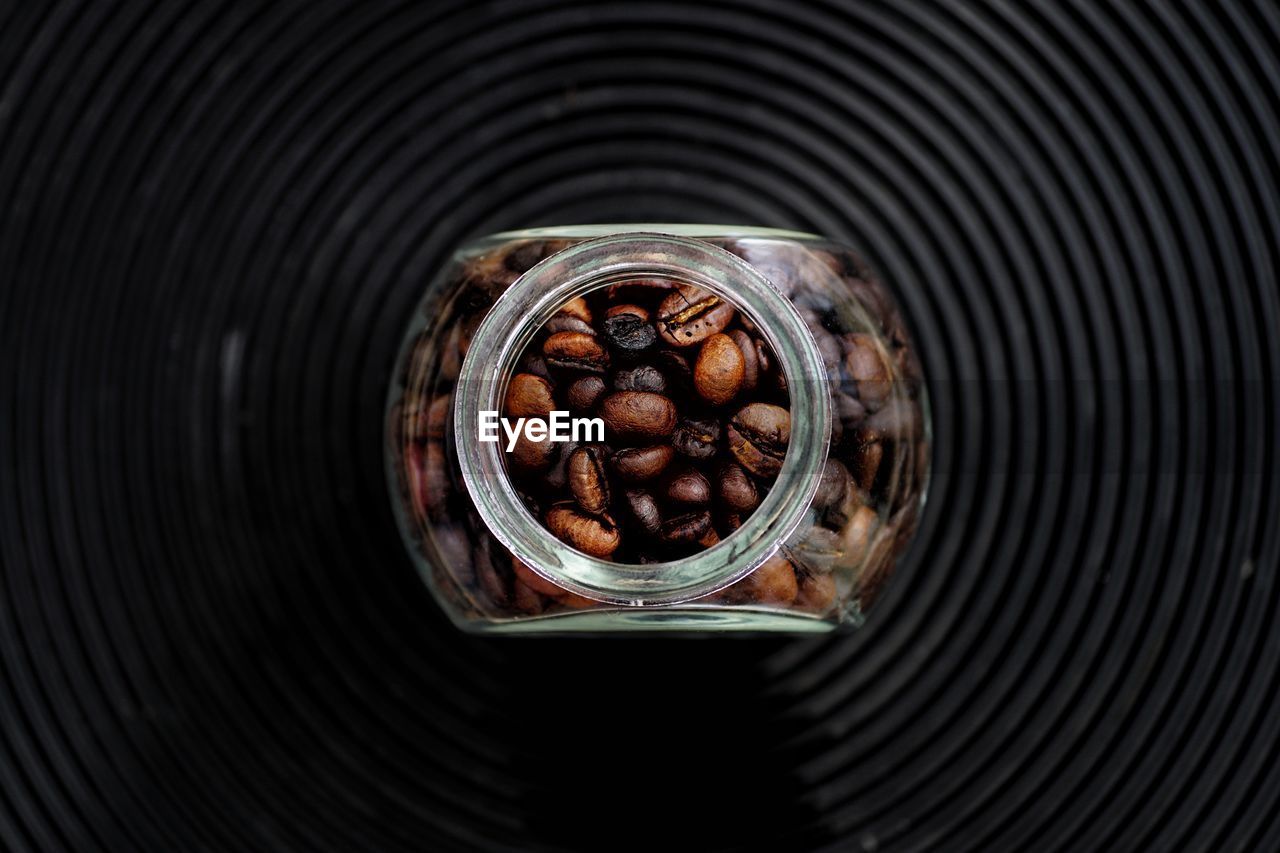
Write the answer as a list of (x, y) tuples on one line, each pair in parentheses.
[(557, 476), (568, 323), (587, 479), (594, 535), (696, 437), (585, 392), (638, 464), (528, 396), (689, 487), (750, 361), (688, 527), (773, 583), (718, 372), (736, 490), (577, 308), (758, 437), (575, 351), (833, 484), (532, 456), (868, 369), (691, 314), (637, 416), (628, 334), (644, 509), (643, 378)]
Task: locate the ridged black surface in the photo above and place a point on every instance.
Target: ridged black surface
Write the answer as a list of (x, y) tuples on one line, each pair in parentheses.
[(215, 216)]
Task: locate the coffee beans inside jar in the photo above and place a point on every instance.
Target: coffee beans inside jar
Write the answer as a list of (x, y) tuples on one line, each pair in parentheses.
[(695, 414)]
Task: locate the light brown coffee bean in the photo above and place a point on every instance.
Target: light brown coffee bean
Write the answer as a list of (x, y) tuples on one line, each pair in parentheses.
[(637, 416), (594, 535), (528, 396), (718, 372), (587, 479), (575, 351), (691, 314), (615, 310), (868, 369)]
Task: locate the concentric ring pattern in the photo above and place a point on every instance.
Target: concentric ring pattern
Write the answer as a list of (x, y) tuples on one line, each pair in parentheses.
[(215, 217)]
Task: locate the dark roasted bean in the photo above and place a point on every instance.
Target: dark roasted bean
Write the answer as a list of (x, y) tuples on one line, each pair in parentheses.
[(628, 334), (643, 378), (736, 490), (644, 509), (758, 437), (638, 464), (689, 487), (696, 437), (584, 393), (689, 527)]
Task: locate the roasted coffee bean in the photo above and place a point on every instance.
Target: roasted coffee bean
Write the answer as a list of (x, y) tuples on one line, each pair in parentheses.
[(639, 464), (773, 583), (833, 485), (568, 323), (533, 362), (685, 528), (628, 334), (637, 416), (691, 315), (718, 372), (587, 479), (868, 369), (675, 367), (689, 486), (532, 456), (528, 396), (644, 509), (575, 351), (758, 437), (867, 462), (594, 535), (750, 361), (696, 437), (643, 378), (735, 489), (577, 308), (557, 476), (585, 392)]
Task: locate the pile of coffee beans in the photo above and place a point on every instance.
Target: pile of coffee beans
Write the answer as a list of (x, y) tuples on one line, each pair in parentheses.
[(695, 413)]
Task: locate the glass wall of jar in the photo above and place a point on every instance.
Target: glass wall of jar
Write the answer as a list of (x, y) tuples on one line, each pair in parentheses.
[(762, 447)]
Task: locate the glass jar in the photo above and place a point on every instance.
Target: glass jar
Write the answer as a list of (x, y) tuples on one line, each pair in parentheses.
[(821, 338)]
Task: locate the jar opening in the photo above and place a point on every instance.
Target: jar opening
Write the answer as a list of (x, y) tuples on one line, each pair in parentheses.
[(518, 316)]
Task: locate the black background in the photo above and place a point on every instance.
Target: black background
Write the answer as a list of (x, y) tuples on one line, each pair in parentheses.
[(214, 218)]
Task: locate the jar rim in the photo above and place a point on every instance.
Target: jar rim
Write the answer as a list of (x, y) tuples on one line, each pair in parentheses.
[(520, 312)]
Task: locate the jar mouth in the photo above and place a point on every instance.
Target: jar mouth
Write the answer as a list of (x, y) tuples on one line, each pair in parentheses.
[(533, 299)]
